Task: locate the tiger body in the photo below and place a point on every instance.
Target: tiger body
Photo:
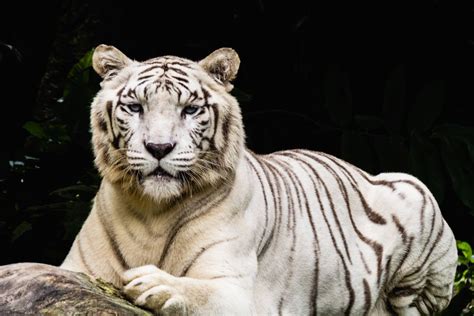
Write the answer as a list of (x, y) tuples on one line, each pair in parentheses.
[(211, 228)]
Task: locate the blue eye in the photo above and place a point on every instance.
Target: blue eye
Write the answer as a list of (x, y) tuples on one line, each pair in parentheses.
[(135, 107), (190, 109)]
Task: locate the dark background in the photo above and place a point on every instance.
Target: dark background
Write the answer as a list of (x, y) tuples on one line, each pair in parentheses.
[(388, 87)]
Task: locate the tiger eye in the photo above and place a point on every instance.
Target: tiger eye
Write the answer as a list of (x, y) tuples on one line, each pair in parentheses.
[(135, 107), (190, 109)]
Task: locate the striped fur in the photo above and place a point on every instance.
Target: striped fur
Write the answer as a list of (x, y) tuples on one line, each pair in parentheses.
[(227, 231)]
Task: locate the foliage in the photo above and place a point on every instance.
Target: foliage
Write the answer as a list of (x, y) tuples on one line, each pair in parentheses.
[(463, 301), (50, 182)]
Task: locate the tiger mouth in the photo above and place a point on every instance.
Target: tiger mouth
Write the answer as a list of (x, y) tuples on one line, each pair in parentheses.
[(160, 173)]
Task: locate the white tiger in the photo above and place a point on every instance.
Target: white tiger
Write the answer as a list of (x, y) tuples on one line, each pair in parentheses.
[(189, 221)]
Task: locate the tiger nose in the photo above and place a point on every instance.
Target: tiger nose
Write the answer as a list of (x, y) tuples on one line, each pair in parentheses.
[(159, 150)]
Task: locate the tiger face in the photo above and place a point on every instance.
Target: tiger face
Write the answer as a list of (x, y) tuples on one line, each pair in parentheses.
[(167, 126)]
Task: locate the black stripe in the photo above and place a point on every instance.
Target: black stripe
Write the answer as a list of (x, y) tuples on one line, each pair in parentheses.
[(433, 219), (129, 136), (180, 63), (424, 261), (122, 122), (374, 217), (341, 187), (153, 61), (181, 159), (215, 110), (186, 88), (423, 194), (400, 228), (404, 291), (226, 127), (148, 69), (83, 257), (131, 93), (387, 273), (144, 221), (144, 77), (297, 183), (367, 296), (291, 226), (208, 202), (205, 94), (277, 174), (200, 253), (434, 244), (101, 121), (102, 125), (364, 263), (178, 71), (139, 83), (338, 251), (377, 248), (294, 181), (238, 276), (115, 139), (401, 262), (185, 80), (110, 234), (108, 107), (262, 188), (276, 193)]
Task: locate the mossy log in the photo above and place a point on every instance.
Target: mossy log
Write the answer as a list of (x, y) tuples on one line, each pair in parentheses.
[(40, 289)]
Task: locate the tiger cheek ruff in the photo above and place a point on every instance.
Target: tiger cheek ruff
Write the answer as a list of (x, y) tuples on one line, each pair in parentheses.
[(187, 220)]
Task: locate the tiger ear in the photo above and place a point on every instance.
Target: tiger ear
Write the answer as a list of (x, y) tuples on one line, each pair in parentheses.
[(107, 60), (222, 65)]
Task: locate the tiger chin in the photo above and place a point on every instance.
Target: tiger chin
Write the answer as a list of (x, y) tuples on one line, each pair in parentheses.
[(188, 221)]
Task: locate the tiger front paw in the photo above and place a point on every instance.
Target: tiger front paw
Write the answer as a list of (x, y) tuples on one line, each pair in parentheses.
[(154, 289)]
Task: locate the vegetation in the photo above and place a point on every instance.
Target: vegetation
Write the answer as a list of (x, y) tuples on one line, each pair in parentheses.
[(463, 302), (51, 181)]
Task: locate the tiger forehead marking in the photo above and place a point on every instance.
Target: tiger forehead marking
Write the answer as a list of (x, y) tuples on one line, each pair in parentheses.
[(169, 75), (194, 223)]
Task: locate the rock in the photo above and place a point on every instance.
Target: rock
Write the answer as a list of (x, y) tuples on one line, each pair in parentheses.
[(40, 289)]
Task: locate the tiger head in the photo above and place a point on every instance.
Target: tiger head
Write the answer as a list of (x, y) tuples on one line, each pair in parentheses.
[(168, 126)]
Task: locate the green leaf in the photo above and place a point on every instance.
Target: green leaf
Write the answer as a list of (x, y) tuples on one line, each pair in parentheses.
[(79, 73), (394, 101), (20, 230), (84, 63), (465, 248), (356, 149), (35, 129), (426, 164), (427, 108), (338, 96)]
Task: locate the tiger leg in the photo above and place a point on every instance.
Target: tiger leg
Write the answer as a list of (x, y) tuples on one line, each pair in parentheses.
[(165, 294), (427, 288)]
